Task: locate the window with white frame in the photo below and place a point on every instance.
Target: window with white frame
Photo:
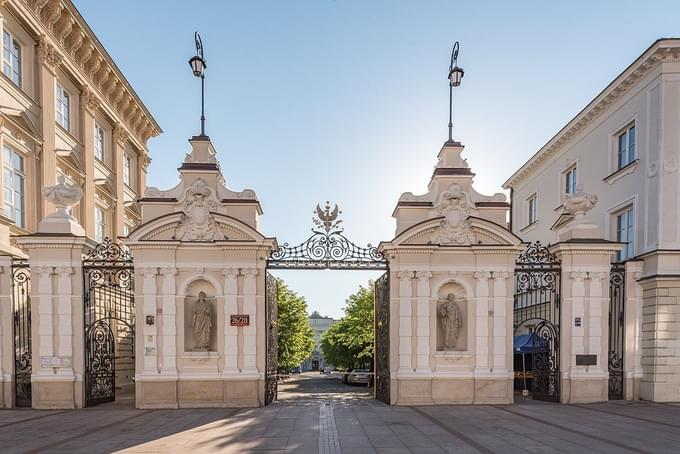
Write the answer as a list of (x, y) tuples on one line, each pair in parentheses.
[(127, 164), (11, 57), (13, 185), (625, 226), (570, 181), (626, 152), (531, 206), (63, 107), (98, 142), (99, 224)]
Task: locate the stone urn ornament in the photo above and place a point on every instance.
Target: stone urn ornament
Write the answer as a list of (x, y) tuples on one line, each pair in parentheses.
[(579, 203), (64, 197)]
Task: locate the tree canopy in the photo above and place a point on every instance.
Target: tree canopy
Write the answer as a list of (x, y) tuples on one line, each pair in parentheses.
[(296, 336), (350, 341)]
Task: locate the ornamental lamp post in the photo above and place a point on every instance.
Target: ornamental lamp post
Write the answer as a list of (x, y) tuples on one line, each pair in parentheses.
[(456, 74), (198, 66)]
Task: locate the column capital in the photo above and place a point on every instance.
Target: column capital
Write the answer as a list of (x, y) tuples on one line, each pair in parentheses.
[(150, 272), (578, 275), (230, 272), (120, 135), (48, 55), (169, 272), (423, 275), (250, 272), (596, 275), (89, 101), (405, 275), (500, 275), (44, 270), (482, 275), (64, 271)]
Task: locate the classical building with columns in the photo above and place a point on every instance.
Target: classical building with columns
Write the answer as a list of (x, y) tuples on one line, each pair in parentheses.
[(67, 110)]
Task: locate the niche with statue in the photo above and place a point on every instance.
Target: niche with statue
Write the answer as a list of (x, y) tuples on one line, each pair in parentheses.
[(452, 312), (200, 318)]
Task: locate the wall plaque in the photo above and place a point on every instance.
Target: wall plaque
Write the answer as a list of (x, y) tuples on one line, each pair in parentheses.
[(240, 320), (586, 360)]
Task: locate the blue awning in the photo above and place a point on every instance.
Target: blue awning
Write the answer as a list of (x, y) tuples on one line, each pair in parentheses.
[(529, 343)]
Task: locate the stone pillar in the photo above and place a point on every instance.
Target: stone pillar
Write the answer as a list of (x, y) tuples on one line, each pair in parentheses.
[(168, 317), (120, 139), (501, 361), (250, 332), (6, 329), (57, 318), (405, 321), (632, 331), (230, 332), (149, 351), (482, 323), (423, 310), (584, 320)]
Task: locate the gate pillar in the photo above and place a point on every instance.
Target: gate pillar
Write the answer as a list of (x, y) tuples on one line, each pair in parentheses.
[(55, 257), (6, 341), (584, 328)]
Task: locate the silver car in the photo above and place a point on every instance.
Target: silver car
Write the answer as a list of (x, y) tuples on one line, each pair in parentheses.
[(359, 377)]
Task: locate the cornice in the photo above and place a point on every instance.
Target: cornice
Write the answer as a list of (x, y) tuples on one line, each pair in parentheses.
[(662, 50), (63, 34)]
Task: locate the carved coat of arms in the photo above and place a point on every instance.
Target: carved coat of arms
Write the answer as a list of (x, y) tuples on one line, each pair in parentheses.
[(456, 207), (197, 223)]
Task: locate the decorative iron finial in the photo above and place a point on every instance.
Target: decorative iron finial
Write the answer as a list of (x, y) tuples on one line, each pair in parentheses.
[(326, 219)]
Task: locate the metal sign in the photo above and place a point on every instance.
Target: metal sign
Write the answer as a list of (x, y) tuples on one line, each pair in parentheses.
[(239, 320)]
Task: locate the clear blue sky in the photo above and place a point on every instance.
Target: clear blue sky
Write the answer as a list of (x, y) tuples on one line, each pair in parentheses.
[(347, 101)]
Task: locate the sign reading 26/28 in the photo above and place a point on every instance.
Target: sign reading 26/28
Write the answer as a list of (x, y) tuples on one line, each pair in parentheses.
[(240, 320)]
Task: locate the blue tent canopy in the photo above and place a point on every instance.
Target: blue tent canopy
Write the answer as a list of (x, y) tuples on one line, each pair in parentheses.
[(529, 343)]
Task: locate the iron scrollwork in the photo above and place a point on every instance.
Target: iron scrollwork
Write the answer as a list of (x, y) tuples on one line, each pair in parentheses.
[(272, 339), (617, 285), (327, 248), (382, 338), (21, 302)]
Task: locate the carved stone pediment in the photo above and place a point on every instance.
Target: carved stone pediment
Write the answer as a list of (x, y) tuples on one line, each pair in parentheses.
[(197, 222), (479, 231), (456, 207)]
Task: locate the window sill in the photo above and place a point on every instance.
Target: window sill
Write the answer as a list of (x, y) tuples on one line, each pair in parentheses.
[(622, 172), (529, 227)]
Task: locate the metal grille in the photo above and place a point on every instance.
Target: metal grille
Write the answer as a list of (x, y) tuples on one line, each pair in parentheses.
[(108, 276), (536, 309), (272, 339), (382, 338), (21, 302), (617, 298)]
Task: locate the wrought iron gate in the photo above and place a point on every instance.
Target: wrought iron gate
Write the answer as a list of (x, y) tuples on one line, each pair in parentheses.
[(109, 300), (21, 309), (536, 309), (272, 338), (617, 298), (382, 338)]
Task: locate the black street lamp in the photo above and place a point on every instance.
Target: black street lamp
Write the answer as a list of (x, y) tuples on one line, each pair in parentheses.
[(198, 65), (455, 76)]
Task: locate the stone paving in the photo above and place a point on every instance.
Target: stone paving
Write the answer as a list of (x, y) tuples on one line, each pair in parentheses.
[(349, 423)]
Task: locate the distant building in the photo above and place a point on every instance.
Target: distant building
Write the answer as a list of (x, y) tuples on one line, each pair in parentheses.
[(320, 325)]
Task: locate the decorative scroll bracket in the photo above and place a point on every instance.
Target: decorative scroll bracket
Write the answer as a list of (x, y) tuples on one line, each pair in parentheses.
[(327, 248)]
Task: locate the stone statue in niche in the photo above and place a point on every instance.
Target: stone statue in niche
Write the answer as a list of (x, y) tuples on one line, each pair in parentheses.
[(451, 320), (201, 321), (197, 224)]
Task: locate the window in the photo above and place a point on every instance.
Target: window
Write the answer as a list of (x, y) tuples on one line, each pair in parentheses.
[(99, 224), (11, 58), (570, 181), (98, 143), (126, 169), (13, 185), (626, 147), (531, 201), (624, 233), (63, 107)]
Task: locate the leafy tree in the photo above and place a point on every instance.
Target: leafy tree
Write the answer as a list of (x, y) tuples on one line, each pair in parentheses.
[(350, 341), (296, 336)]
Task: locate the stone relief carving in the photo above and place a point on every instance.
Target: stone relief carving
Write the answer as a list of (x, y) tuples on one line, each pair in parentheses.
[(579, 203), (450, 317), (196, 223), (201, 321), (63, 196), (455, 205)]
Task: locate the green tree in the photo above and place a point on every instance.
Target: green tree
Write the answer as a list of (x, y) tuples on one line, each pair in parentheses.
[(350, 341), (296, 336)]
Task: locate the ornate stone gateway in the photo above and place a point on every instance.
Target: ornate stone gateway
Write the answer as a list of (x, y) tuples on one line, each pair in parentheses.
[(617, 299), (21, 280), (108, 276), (536, 313), (328, 248)]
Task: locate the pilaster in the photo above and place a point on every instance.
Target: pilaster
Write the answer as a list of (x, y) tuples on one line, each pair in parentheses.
[(89, 106), (482, 322), (230, 332), (405, 320), (168, 317), (500, 339), (423, 322), (250, 332), (120, 139), (150, 348), (632, 331), (6, 340)]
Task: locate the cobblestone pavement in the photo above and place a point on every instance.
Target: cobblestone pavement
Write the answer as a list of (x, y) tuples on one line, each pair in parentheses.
[(353, 425)]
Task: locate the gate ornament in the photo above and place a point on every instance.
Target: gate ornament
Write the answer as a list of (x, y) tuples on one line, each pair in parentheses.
[(327, 248), (455, 205)]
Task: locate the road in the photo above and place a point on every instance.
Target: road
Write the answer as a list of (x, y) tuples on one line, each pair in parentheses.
[(317, 388)]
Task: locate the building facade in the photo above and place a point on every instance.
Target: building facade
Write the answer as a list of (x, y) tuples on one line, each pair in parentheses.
[(623, 147), (66, 110), (320, 325)]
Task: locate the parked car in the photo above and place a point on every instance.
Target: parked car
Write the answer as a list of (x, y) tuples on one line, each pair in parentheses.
[(295, 370), (327, 371), (359, 377)]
